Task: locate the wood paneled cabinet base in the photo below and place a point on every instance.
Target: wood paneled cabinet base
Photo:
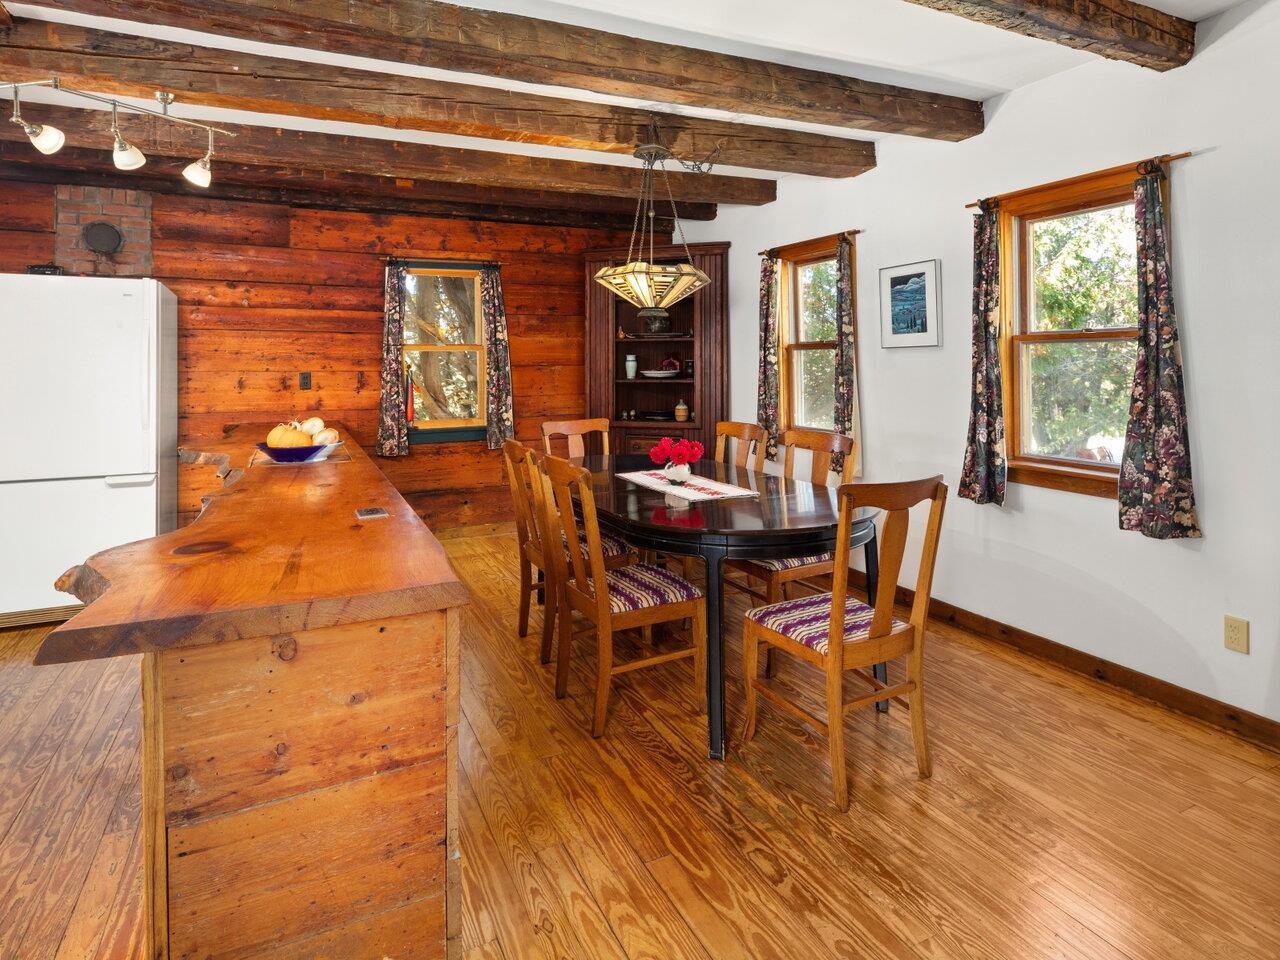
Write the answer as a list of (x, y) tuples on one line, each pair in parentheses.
[(297, 791)]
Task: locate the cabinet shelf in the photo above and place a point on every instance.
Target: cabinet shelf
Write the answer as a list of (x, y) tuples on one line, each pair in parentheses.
[(650, 381), (674, 338), (655, 424)]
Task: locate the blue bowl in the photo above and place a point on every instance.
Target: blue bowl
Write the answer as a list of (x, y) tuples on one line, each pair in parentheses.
[(290, 454)]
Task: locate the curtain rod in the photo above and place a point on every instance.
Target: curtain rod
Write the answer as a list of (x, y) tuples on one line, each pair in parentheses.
[(773, 251), (442, 260), (1161, 159)]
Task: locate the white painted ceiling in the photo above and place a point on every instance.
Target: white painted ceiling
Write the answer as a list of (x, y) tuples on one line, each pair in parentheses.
[(885, 40)]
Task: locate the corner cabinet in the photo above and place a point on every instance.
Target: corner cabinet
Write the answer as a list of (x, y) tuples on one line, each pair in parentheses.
[(698, 340)]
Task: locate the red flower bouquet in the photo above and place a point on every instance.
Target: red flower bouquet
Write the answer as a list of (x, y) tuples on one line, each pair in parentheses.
[(675, 456)]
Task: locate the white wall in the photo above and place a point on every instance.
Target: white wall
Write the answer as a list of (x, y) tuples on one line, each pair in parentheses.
[(1051, 562)]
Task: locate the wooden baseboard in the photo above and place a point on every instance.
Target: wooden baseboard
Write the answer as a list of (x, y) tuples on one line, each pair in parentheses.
[(1253, 727), (26, 618)]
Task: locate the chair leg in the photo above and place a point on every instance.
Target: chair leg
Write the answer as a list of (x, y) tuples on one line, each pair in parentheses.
[(750, 664), (835, 735), (563, 648), (700, 661), (526, 588), (550, 612), (646, 634), (773, 593), (686, 567), (919, 732), (604, 676)]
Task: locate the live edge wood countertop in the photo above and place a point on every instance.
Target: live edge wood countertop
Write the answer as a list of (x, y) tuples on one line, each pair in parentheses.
[(279, 549)]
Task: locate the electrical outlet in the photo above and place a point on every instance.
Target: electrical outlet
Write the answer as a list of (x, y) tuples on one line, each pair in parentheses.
[(304, 381), (1235, 634)]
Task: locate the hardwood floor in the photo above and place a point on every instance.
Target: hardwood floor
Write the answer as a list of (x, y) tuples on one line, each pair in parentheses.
[(1064, 819)]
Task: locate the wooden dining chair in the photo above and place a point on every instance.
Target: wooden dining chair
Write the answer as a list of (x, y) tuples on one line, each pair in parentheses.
[(749, 439), (521, 462), (635, 596), (575, 432), (775, 575), (840, 634)]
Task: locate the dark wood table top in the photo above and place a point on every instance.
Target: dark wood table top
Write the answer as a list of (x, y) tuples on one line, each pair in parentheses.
[(784, 514)]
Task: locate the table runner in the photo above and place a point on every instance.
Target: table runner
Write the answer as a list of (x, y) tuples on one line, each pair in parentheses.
[(695, 489)]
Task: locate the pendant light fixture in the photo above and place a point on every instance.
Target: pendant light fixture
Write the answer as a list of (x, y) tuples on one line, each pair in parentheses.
[(44, 137), (653, 287), (125, 155)]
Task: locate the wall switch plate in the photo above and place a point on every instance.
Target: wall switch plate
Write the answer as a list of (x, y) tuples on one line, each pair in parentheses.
[(1235, 634), (304, 381)]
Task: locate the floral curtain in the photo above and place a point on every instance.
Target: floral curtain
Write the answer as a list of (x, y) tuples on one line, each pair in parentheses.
[(499, 419), (846, 349), (393, 426), (767, 388), (983, 476), (1156, 493)]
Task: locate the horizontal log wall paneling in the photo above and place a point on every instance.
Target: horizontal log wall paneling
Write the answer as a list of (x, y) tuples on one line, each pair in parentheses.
[(269, 291), (26, 226)]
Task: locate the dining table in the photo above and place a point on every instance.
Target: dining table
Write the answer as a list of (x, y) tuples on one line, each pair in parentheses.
[(783, 518)]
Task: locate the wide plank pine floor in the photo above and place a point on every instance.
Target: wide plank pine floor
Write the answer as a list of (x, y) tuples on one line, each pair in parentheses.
[(1064, 820)]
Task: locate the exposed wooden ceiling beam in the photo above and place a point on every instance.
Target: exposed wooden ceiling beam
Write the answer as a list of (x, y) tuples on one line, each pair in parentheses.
[(1117, 29), (317, 189), (387, 158), (448, 37), (136, 66)]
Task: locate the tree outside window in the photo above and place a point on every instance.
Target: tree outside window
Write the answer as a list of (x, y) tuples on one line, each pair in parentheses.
[(443, 348)]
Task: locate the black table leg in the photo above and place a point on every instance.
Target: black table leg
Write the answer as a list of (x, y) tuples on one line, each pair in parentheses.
[(871, 556), (714, 558)]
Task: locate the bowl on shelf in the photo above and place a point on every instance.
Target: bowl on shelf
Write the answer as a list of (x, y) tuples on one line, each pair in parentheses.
[(659, 374), (299, 454)]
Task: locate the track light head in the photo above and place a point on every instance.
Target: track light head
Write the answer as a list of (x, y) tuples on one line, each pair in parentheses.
[(45, 138), (199, 172), (126, 156)]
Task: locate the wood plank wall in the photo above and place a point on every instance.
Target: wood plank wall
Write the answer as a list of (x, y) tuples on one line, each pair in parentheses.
[(26, 225), (267, 291)]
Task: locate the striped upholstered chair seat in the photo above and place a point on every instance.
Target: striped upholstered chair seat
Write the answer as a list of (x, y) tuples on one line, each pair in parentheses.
[(807, 621), (643, 585), (795, 563), (611, 545)]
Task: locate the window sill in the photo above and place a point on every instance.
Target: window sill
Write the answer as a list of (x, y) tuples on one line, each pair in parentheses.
[(1093, 483), (446, 435)]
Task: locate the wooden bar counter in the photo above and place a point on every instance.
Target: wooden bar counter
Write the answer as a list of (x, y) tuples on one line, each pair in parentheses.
[(300, 705)]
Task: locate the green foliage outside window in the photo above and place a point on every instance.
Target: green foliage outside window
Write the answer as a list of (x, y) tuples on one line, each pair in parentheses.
[(814, 370), (1083, 277)]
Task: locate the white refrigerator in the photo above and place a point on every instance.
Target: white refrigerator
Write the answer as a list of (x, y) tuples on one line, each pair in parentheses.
[(88, 428)]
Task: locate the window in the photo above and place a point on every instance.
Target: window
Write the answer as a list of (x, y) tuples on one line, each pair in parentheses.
[(809, 325), (444, 356), (1071, 315)]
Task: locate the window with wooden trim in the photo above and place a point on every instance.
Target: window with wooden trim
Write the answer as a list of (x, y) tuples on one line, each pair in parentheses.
[(808, 324), (1070, 312), (444, 351)]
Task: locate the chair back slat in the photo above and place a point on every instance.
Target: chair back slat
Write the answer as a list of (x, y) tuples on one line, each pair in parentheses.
[(583, 574), (574, 433), (896, 501), (822, 446), (514, 459), (749, 438)]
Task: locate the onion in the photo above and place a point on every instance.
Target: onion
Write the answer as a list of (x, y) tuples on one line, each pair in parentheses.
[(326, 436), (312, 425)]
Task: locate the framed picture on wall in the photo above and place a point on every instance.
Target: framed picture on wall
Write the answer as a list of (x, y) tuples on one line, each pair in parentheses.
[(909, 314)]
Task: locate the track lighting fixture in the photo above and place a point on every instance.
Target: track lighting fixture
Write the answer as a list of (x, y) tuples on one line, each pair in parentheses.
[(200, 172), (125, 155), (44, 137)]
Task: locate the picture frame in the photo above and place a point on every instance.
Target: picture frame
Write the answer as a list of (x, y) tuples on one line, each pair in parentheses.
[(909, 307)]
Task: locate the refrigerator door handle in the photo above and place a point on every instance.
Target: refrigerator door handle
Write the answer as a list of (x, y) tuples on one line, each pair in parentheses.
[(130, 480), (146, 381)]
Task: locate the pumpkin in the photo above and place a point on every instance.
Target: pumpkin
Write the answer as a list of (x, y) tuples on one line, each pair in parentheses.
[(278, 431), (294, 438)]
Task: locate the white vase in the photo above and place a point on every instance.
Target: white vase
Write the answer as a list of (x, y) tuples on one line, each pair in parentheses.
[(677, 473), (631, 366)]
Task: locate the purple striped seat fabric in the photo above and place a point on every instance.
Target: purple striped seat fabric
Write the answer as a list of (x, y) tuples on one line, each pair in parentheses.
[(793, 563), (643, 585), (611, 544), (808, 620)]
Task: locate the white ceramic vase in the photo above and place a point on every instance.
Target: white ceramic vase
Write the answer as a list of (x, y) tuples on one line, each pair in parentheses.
[(677, 473)]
